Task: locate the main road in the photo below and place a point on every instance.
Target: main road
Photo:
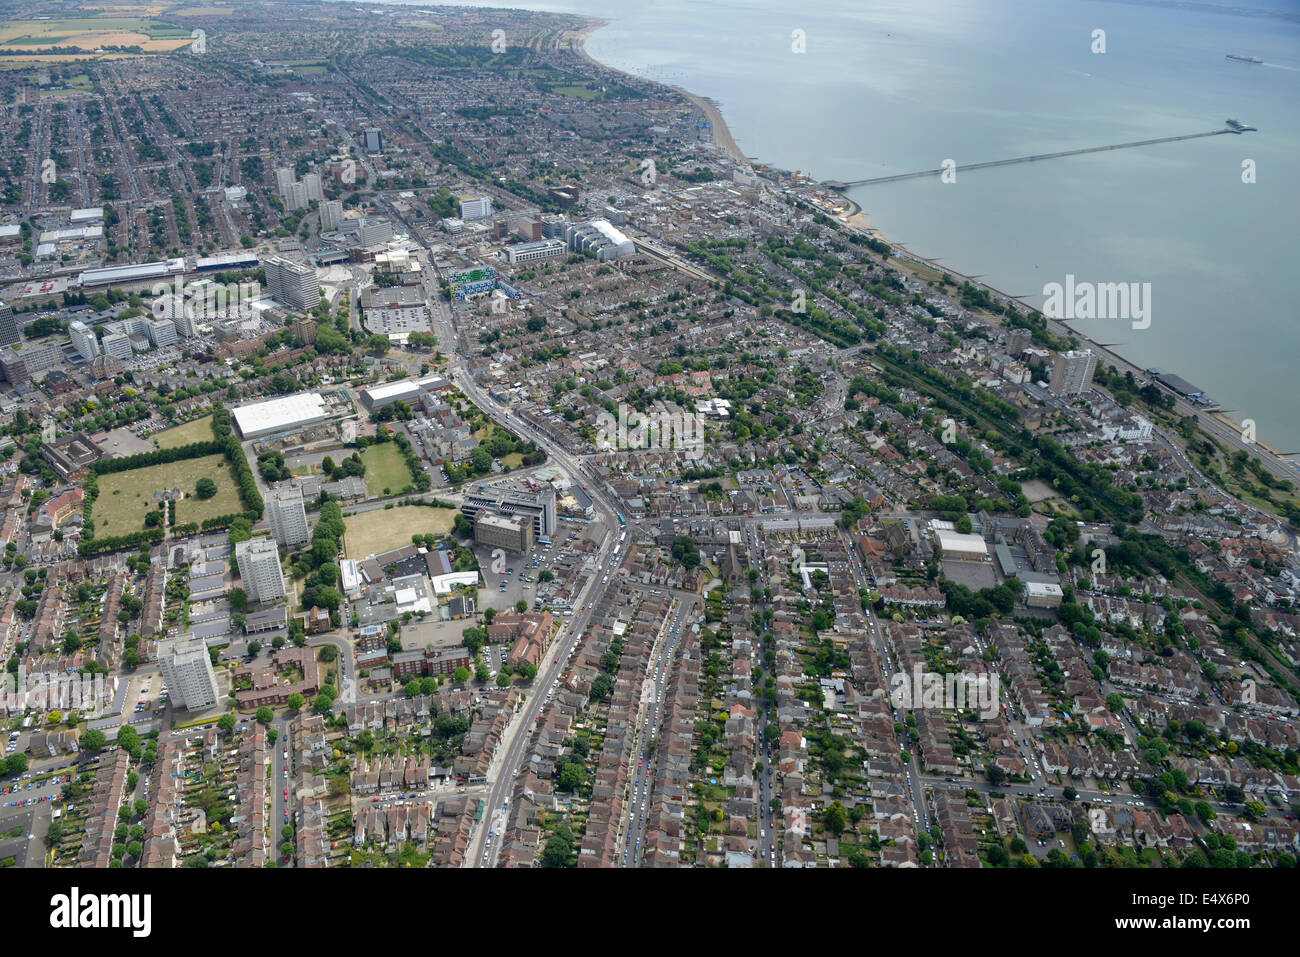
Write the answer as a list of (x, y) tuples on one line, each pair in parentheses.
[(486, 841)]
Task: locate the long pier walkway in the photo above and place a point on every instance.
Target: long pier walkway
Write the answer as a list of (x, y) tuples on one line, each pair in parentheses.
[(837, 185)]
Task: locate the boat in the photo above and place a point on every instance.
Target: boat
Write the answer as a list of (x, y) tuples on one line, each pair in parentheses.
[(1240, 58)]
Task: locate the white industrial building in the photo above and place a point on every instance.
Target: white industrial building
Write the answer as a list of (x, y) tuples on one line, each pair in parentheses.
[(289, 413), (408, 390), (956, 545)]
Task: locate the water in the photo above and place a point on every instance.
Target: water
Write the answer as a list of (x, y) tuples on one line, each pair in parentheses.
[(900, 85)]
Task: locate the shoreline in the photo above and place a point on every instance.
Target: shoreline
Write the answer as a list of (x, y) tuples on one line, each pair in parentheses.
[(718, 127), (856, 219)]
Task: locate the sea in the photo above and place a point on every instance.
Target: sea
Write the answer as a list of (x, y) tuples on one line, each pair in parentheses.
[(855, 89)]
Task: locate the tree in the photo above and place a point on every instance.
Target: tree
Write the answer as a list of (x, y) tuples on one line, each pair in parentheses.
[(481, 672), (558, 851), (460, 675), (92, 740), (296, 701), (503, 680), (16, 764), (226, 723), (521, 606), (205, 488), (265, 714), (239, 601), (571, 777), (833, 819)]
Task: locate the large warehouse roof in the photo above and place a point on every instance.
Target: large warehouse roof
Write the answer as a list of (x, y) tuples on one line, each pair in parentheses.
[(955, 544), (275, 415)]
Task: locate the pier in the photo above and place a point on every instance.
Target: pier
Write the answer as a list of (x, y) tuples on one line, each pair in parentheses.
[(839, 186)]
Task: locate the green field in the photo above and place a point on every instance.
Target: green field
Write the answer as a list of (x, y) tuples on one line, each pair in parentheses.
[(125, 497), (384, 528), (198, 430), (385, 469)]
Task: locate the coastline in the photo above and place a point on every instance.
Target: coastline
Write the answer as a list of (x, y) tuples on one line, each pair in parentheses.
[(722, 137), (856, 219)]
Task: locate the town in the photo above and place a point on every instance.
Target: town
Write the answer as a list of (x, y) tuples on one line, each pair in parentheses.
[(422, 446)]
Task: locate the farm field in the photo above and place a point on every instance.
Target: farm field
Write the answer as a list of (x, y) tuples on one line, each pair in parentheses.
[(125, 497), (385, 469), (385, 528)]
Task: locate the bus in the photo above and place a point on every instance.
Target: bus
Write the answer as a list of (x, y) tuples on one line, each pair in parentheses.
[(621, 519)]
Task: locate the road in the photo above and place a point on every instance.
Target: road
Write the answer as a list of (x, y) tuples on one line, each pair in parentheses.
[(637, 801), (485, 843)]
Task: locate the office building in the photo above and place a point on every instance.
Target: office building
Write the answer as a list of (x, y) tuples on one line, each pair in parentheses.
[(8, 325), (479, 207), (514, 533), (542, 249), (186, 668), (538, 505), (287, 516), (291, 284), (259, 570), (162, 332), (117, 345), (331, 214), (373, 231), (374, 140), (21, 365), (1072, 372), (83, 340)]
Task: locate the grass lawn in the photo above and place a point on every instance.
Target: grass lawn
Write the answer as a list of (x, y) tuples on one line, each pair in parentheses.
[(513, 460), (198, 430), (384, 528), (385, 469), (125, 497)]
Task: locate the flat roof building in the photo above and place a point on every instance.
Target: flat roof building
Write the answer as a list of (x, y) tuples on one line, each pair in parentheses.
[(408, 390), (286, 414), (259, 570), (186, 667), (511, 532)]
